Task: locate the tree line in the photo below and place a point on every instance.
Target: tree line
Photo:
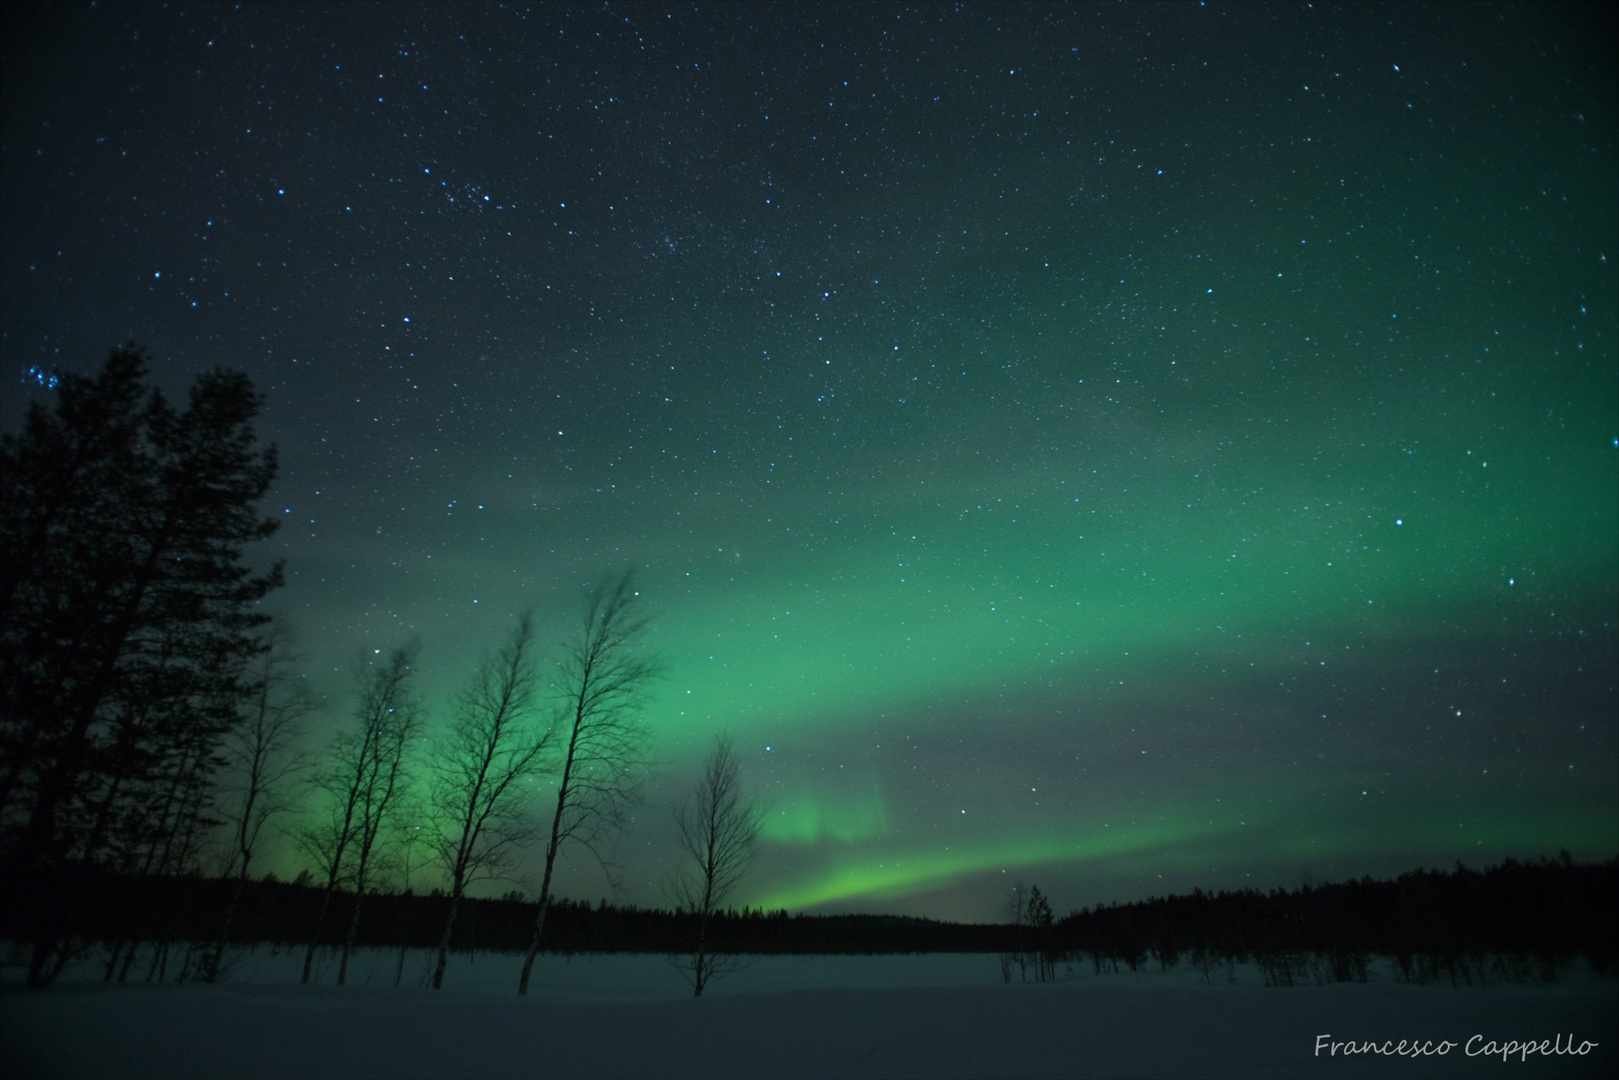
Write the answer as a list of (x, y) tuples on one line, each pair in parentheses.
[(1516, 921), (152, 719), (183, 912), (1519, 921)]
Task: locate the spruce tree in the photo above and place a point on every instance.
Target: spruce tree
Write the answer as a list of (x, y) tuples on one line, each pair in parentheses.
[(127, 610)]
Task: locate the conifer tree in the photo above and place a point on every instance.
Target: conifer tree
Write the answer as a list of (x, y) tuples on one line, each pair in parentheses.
[(127, 613)]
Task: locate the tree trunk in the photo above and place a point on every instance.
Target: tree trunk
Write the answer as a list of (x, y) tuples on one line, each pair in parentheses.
[(348, 939), (112, 961), (320, 924), (550, 861), (216, 956), (539, 917), (700, 961), (159, 968), (444, 938), (129, 961)]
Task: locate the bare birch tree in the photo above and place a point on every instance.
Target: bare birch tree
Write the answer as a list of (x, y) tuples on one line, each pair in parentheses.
[(381, 800), (718, 823), (364, 779), (408, 851), (602, 680), (262, 763), (481, 812)]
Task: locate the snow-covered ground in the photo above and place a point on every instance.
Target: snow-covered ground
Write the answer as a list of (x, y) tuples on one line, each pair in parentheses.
[(899, 1016)]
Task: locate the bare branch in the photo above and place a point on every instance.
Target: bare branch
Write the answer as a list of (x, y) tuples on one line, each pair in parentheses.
[(480, 804), (601, 682), (718, 824), (260, 764), (365, 780), (260, 752)]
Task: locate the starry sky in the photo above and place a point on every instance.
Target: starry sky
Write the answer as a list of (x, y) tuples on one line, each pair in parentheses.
[(1124, 448)]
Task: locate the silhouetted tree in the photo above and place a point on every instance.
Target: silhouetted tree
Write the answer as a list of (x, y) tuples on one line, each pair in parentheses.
[(126, 614), (1017, 915), (1037, 917), (72, 485), (262, 763), (1029, 913), (364, 781), (718, 823), (482, 770), (602, 681)]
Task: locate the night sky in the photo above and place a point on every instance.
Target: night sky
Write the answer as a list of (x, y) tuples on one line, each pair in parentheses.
[(1124, 448)]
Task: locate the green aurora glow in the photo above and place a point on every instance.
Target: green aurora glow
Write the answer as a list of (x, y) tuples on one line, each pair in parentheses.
[(1126, 449)]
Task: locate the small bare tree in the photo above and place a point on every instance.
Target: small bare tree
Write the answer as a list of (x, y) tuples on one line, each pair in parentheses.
[(1031, 919), (602, 680), (364, 780), (1017, 914), (262, 763), (718, 823), (480, 813)]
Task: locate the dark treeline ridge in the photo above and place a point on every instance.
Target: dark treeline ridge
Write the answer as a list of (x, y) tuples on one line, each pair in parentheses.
[(1519, 920), (110, 907)]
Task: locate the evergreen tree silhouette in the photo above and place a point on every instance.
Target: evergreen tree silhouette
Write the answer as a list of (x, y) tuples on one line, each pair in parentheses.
[(126, 613)]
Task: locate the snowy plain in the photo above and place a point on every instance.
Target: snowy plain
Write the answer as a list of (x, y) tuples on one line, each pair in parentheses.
[(829, 1016)]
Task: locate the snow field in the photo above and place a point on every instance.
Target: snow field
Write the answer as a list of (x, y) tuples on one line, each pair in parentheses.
[(884, 1016)]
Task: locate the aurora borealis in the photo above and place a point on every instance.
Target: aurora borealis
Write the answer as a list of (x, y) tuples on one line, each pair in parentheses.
[(1125, 448)]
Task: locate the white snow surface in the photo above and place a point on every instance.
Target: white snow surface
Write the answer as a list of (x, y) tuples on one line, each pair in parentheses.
[(880, 1016)]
